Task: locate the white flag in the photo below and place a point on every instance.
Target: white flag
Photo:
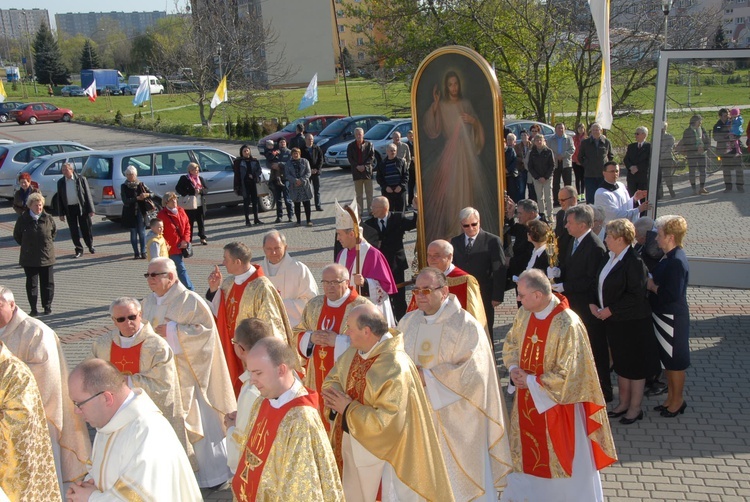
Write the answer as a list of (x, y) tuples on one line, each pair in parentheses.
[(91, 91), (311, 94), (600, 13), (221, 94), (143, 93)]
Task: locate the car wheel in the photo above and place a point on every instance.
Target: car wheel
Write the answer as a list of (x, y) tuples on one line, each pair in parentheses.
[(66, 118), (3, 118), (32, 120), (267, 202)]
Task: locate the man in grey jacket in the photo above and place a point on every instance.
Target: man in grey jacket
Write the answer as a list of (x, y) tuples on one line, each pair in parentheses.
[(562, 149), (74, 202)]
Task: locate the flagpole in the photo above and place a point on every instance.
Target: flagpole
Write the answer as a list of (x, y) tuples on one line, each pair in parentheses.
[(223, 110), (151, 103), (341, 60)]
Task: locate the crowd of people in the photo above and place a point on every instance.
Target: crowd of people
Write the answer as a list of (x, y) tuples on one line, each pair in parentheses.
[(286, 389)]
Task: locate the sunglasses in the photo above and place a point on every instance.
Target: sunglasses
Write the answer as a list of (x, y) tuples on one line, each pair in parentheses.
[(423, 291), (565, 199), (80, 405), (154, 274), (467, 225), (131, 317)]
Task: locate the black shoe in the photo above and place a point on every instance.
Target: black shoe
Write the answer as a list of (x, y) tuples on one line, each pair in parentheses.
[(290, 219), (655, 390), (671, 414), (628, 421), (136, 256), (660, 408), (92, 250), (278, 219), (78, 254), (34, 313), (298, 224), (143, 256), (248, 224), (318, 208), (615, 414), (258, 222)]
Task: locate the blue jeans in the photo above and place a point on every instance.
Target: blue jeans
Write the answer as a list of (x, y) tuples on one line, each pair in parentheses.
[(182, 273), (138, 232), (591, 185)]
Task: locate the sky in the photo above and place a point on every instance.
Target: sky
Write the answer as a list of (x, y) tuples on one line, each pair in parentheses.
[(65, 6)]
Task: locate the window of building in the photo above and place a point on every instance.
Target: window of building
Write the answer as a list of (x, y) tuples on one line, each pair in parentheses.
[(360, 41), (341, 29), (339, 13), (360, 56)]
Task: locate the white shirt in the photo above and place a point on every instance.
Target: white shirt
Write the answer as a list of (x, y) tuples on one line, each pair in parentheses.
[(239, 279), (613, 259), (536, 254)]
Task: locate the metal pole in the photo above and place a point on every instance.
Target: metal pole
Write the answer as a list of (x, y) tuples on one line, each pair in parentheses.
[(224, 108), (341, 59)]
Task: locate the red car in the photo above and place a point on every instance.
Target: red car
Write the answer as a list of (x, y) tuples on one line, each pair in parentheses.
[(31, 113)]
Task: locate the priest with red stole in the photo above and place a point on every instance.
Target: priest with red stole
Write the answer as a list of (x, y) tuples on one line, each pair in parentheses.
[(287, 455), (560, 435), (460, 283), (320, 333), (247, 292), (368, 268)]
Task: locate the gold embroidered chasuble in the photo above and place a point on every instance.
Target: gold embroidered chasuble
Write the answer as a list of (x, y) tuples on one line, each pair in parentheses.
[(456, 352), (27, 467), (34, 343), (566, 372), (201, 367), (157, 376), (393, 420)]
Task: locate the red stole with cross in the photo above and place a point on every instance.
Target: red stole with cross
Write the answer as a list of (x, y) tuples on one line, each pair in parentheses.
[(259, 443), (128, 361), (226, 322)]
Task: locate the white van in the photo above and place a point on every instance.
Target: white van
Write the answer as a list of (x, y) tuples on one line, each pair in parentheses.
[(134, 81)]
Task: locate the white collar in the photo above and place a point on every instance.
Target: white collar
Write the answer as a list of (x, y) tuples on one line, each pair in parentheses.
[(239, 279), (450, 269), (430, 319), (538, 252), (547, 310), (128, 400), (33, 215), (127, 341), (584, 235), (366, 355), (337, 303), (245, 376), (161, 299), (466, 238), (286, 396), (384, 219)]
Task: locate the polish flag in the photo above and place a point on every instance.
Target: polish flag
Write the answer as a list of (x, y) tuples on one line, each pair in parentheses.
[(91, 91)]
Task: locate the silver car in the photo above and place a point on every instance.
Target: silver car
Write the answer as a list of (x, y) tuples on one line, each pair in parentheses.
[(46, 170), (379, 135), (14, 157), (160, 167)]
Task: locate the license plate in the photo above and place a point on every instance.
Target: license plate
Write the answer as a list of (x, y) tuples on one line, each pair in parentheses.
[(333, 161)]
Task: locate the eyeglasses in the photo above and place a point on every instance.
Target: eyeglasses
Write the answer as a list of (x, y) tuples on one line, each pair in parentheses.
[(80, 405), (423, 291), (131, 317), (467, 225), (331, 283), (566, 199), (235, 342), (154, 274)]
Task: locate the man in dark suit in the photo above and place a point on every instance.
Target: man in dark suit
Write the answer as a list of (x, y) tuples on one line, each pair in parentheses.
[(481, 254), (390, 228), (517, 232), (314, 156), (75, 203), (637, 160), (568, 197), (578, 281)]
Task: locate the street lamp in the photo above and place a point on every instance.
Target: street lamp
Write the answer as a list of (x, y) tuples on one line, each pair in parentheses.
[(666, 6)]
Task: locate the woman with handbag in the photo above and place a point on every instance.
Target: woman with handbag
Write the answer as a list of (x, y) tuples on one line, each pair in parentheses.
[(177, 235), (136, 204), (192, 187), (297, 175)]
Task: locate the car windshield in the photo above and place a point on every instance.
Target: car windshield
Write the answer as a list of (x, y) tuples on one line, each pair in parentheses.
[(292, 126), (33, 165), (334, 129), (379, 131), (98, 168)]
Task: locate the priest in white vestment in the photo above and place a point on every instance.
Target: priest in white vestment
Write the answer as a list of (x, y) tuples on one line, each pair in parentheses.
[(453, 355), (186, 322), (136, 454), (292, 279)]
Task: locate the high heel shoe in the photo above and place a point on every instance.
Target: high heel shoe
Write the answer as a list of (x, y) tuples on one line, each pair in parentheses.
[(628, 421), (615, 414), (671, 414), (660, 408)]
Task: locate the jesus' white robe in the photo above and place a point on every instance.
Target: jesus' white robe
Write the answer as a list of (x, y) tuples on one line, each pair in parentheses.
[(294, 282)]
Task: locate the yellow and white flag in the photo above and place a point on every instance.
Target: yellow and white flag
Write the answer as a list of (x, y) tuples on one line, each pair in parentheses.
[(221, 94), (600, 13), (3, 95)]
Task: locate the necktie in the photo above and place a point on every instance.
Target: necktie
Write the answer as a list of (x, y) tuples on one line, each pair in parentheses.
[(575, 246), (469, 245), (382, 225)]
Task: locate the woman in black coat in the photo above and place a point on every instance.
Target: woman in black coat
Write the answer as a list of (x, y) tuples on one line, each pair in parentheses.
[(35, 232), (192, 188), (136, 203), (625, 316), (247, 174)]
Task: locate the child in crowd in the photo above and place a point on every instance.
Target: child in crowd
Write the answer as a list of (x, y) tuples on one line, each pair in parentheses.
[(735, 131), (156, 246)]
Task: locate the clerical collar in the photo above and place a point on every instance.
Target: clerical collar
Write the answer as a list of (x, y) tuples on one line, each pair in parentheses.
[(609, 186), (548, 309), (128, 400), (430, 319), (366, 355), (128, 341), (273, 269), (286, 396), (160, 299), (450, 269), (245, 376), (337, 303), (239, 279)]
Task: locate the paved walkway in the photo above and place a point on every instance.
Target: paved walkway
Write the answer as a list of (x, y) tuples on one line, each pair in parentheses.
[(701, 455)]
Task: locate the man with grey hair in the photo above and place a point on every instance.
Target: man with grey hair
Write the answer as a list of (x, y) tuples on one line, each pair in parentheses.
[(74, 203), (393, 178), (568, 197), (457, 367), (136, 454), (516, 218), (554, 381), (37, 345), (186, 322), (637, 161), (146, 360), (292, 279), (361, 156), (481, 254), (593, 152), (563, 148)]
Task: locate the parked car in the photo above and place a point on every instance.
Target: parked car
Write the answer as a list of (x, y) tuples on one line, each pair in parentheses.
[(31, 113), (72, 90), (6, 107), (313, 124), (111, 89), (379, 135), (343, 130), (516, 126), (47, 169), (14, 157), (125, 90), (160, 167)]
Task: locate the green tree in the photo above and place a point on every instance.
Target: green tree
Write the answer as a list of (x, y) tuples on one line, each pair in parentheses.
[(48, 59), (720, 42), (71, 48), (89, 56), (346, 60)]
